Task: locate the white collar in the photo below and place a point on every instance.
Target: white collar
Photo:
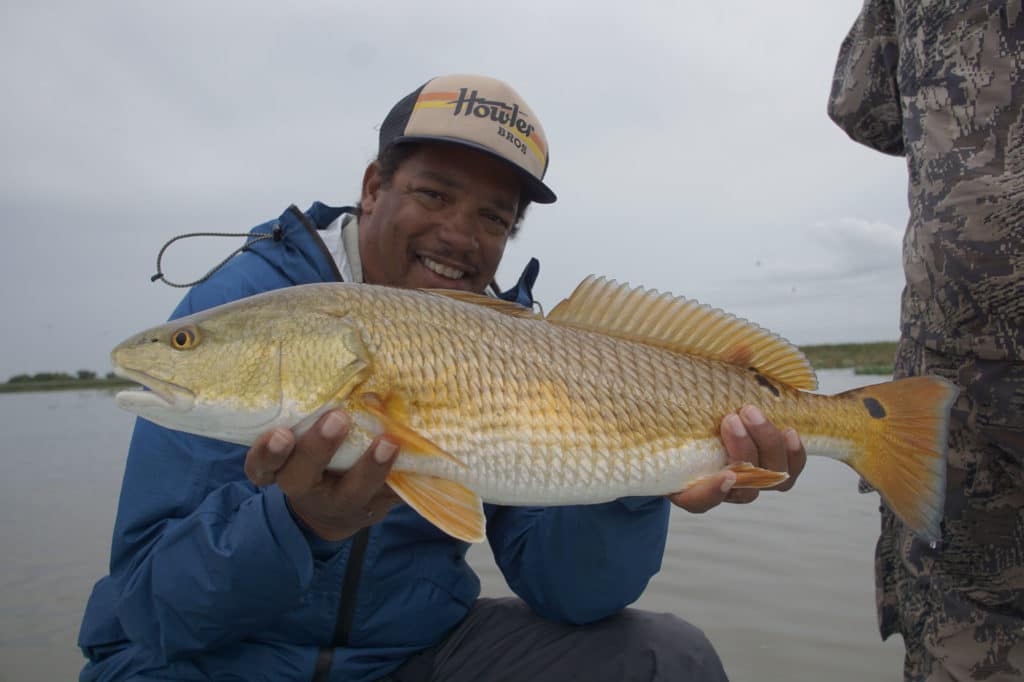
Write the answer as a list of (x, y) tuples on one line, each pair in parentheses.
[(341, 238)]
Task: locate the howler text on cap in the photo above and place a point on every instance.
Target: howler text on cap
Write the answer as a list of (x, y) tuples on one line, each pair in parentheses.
[(479, 112)]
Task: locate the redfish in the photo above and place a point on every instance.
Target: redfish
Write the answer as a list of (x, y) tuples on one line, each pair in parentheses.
[(617, 392)]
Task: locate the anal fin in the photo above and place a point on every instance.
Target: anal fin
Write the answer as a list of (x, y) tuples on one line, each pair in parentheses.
[(750, 476), (747, 476), (450, 506)]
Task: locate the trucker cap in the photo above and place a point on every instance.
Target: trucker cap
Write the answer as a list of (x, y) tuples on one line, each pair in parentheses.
[(478, 112)]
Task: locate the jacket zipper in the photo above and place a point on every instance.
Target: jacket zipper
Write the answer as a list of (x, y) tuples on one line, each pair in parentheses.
[(354, 567), (347, 606)]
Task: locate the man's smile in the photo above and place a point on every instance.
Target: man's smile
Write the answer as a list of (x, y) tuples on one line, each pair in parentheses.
[(446, 271)]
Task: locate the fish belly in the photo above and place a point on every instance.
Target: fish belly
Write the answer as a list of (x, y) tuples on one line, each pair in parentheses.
[(515, 477), (588, 478)]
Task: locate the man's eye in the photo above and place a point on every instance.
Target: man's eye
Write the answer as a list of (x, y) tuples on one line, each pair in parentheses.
[(430, 194), (495, 223)]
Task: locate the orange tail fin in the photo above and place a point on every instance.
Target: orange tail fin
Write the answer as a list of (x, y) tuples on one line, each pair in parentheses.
[(906, 425)]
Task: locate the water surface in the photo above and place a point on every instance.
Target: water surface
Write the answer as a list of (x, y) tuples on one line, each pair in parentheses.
[(783, 587)]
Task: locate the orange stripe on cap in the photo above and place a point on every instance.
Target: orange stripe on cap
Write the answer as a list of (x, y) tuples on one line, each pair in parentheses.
[(441, 100), (434, 105), (538, 145), (532, 142), (431, 96)]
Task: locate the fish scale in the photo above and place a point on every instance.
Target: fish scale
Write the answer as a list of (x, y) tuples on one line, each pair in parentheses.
[(561, 407), (618, 392)]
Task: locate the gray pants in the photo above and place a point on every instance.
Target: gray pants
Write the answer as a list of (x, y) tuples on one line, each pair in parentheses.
[(503, 639)]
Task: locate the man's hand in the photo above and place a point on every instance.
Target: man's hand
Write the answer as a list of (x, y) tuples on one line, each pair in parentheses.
[(334, 504), (748, 437)]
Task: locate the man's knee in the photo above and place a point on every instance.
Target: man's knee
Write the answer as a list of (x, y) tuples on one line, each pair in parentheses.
[(677, 649)]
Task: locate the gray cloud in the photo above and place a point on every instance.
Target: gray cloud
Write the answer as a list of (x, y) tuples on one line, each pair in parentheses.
[(689, 143)]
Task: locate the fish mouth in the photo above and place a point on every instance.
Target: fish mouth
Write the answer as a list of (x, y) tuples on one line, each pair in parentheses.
[(153, 393)]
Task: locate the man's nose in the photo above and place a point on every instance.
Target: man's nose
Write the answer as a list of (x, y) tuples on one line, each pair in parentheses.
[(459, 230)]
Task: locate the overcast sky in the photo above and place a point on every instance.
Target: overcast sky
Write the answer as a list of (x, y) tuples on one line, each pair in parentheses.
[(690, 150)]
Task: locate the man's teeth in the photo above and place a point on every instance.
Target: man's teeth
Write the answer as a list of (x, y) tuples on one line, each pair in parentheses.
[(441, 269)]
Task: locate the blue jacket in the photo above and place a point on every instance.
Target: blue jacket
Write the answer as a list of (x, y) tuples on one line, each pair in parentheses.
[(212, 578)]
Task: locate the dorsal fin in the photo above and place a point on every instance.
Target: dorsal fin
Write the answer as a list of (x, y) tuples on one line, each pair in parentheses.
[(496, 304), (682, 325)]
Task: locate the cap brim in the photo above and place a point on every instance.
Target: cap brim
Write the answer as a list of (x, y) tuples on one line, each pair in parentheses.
[(533, 189)]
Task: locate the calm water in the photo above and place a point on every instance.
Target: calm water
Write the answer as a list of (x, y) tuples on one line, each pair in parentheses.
[(783, 587)]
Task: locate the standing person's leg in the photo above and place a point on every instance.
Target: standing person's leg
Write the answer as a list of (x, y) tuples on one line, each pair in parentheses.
[(960, 605), (503, 639)]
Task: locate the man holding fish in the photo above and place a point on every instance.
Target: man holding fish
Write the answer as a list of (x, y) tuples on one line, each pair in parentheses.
[(272, 564)]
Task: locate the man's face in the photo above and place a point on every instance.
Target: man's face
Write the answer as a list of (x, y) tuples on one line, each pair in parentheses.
[(442, 221)]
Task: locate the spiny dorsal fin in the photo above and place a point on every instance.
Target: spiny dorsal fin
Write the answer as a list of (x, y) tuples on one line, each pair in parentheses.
[(496, 304), (682, 325)]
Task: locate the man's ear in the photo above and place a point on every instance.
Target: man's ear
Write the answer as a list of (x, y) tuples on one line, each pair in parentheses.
[(371, 188)]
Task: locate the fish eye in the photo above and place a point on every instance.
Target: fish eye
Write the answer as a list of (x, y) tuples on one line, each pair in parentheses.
[(184, 339)]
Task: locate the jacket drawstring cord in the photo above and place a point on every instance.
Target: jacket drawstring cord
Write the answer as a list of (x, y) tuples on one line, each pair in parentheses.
[(275, 234)]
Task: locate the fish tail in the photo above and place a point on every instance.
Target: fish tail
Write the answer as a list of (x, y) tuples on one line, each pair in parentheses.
[(904, 442)]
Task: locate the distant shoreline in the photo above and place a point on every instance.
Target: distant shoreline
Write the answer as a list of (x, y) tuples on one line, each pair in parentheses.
[(64, 385), (863, 358)]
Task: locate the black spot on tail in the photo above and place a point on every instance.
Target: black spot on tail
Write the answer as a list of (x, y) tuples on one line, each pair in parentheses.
[(875, 408), (764, 381)]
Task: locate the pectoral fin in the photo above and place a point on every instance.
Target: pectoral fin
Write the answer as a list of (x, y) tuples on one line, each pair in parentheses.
[(452, 507), (393, 416)]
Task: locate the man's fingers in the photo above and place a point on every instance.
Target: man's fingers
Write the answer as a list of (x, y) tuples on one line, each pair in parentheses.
[(705, 495), (267, 455), (738, 443), (379, 506), (305, 467), (796, 456), (365, 482), (742, 495), (771, 448), (740, 448)]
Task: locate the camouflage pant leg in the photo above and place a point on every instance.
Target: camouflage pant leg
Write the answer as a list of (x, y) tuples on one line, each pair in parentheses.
[(960, 605)]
